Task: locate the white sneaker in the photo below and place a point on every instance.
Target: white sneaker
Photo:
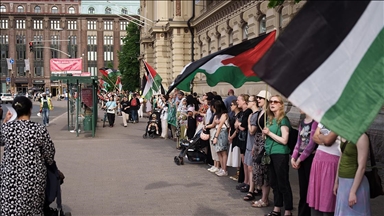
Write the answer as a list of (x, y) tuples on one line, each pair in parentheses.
[(222, 173), (217, 172), (209, 169), (215, 169)]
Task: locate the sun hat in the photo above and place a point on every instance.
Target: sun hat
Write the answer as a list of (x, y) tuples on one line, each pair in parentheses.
[(264, 93)]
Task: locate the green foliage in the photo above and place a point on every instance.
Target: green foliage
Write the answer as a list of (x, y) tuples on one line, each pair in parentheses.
[(275, 3), (129, 65)]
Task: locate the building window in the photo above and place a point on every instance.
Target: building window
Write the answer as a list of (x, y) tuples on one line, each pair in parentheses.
[(54, 10), (108, 25), (209, 45), (20, 39), (38, 53), (3, 39), (3, 9), (4, 53), (20, 24), (91, 25), (107, 10), (37, 39), (122, 40), (71, 10), (91, 10), (54, 39), (20, 53), (37, 9), (124, 11), (108, 56), (262, 25), (245, 32), (55, 24), (230, 35), (39, 71), (20, 9), (73, 40), (72, 24), (3, 24), (37, 24), (92, 71), (20, 70), (108, 40), (281, 19), (92, 40), (92, 56), (123, 25)]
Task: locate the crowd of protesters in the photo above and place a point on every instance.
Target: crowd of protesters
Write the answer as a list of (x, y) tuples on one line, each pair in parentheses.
[(251, 132)]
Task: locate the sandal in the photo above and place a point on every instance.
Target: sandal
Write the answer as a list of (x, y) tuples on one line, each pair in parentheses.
[(273, 213), (245, 189), (250, 196), (260, 204), (239, 186)]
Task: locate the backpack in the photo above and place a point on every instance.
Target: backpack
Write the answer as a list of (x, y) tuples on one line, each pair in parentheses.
[(292, 139), (134, 102)]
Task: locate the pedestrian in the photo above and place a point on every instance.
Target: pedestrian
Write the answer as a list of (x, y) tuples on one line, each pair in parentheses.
[(28, 149), (141, 112), (228, 100), (45, 107), (124, 107), (111, 107), (351, 185), (302, 158), (320, 195), (134, 107), (277, 133), (163, 105), (234, 159), (191, 123)]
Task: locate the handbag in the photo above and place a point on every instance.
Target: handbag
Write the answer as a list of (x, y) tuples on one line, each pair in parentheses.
[(259, 156), (375, 186), (204, 136), (242, 135)]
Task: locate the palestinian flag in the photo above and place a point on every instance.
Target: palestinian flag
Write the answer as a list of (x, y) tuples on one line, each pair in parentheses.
[(118, 83), (106, 71), (153, 84), (232, 65), (329, 62)]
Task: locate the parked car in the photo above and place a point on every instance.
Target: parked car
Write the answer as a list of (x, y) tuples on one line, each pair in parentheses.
[(6, 98)]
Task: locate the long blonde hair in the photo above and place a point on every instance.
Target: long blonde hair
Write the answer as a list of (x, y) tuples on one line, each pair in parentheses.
[(281, 112)]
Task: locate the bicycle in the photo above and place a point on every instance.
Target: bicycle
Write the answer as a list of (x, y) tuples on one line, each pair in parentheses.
[(105, 118)]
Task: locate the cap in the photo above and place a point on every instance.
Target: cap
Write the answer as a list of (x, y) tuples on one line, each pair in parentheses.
[(264, 93)]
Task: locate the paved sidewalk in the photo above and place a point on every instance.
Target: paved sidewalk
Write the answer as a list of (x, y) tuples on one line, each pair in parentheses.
[(120, 173)]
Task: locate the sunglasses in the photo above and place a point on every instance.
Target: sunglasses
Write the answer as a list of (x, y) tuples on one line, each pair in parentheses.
[(251, 101), (274, 102), (259, 98)]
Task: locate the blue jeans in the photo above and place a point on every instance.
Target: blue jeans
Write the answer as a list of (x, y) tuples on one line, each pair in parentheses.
[(45, 114), (134, 115)]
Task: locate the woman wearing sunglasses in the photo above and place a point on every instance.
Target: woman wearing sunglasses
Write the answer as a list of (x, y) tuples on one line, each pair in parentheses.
[(277, 133)]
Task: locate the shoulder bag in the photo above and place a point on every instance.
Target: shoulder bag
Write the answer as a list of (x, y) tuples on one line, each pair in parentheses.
[(375, 186)]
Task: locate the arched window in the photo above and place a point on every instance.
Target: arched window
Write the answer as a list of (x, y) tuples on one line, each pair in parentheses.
[(91, 10), (54, 10), (3, 8), (262, 25), (20, 9), (124, 11), (281, 19), (37, 9), (230, 35), (107, 10), (71, 10), (245, 31)]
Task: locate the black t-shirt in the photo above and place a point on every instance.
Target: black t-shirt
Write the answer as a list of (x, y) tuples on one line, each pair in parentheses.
[(123, 105), (137, 104), (243, 118)]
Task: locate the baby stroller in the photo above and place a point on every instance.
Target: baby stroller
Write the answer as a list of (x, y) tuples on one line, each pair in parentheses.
[(53, 191), (193, 149), (153, 128)]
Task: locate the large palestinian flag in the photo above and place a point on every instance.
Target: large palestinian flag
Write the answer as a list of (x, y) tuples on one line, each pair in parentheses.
[(329, 62), (232, 65)]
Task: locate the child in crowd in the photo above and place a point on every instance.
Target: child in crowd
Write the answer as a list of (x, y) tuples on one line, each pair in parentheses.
[(153, 123), (191, 123)]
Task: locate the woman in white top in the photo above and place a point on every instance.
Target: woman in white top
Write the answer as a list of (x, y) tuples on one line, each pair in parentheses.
[(320, 195), (164, 115), (111, 106)]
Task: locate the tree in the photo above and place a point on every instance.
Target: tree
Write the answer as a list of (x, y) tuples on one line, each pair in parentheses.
[(129, 64), (275, 3)]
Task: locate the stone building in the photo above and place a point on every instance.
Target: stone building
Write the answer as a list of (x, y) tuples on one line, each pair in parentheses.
[(58, 29), (167, 44)]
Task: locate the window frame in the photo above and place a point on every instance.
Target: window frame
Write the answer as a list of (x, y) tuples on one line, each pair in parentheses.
[(54, 10)]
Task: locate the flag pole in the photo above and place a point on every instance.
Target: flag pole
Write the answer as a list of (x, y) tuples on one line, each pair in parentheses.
[(114, 84), (150, 75), (265, 106)]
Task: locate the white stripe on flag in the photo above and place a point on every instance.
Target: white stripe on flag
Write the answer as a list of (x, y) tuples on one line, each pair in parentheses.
[(332, 76)]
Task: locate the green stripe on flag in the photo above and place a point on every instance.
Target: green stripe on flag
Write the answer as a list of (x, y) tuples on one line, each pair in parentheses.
[(363, 96)]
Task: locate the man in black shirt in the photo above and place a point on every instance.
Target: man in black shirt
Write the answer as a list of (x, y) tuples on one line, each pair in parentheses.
[(124, 108)]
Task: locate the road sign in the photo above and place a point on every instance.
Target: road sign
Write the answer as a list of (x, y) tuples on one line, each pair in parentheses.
[(8, 79), (11, 61)]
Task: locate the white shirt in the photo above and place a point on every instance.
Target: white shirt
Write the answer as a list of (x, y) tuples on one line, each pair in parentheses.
[(334, 149)]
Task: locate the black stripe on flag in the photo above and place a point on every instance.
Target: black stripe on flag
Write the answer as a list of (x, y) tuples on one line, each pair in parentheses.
[(233, 50), (310, 38)]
